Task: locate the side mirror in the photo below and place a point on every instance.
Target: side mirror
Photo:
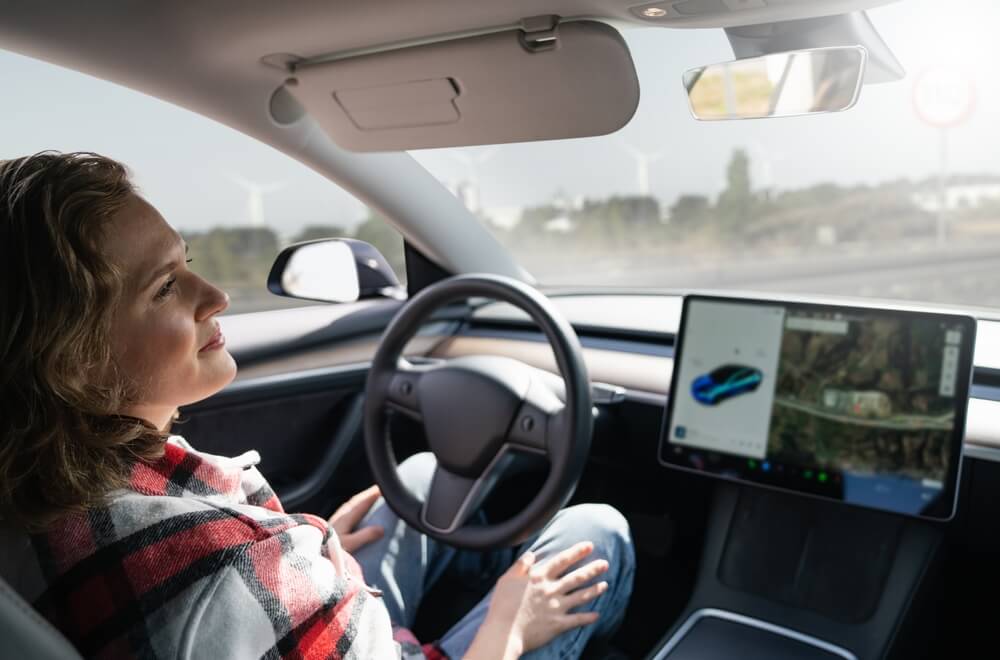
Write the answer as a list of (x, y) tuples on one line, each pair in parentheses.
[(333, 270), (799, 82)]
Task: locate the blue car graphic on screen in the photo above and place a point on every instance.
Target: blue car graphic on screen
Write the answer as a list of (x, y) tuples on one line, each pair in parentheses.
[(725, 382)]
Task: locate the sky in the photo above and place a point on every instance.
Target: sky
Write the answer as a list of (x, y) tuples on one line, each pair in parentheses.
[(188, 166)]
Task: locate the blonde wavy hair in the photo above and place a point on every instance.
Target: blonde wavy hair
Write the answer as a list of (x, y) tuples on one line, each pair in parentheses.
[(63, 443)]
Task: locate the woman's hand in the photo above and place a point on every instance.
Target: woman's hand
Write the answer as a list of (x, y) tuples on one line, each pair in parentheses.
[(531, 602), (350, 513)]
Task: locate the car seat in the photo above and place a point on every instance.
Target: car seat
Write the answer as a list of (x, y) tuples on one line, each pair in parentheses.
[(26, 634)]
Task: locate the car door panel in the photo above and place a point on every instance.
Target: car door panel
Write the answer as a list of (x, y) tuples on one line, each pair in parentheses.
[(302, 426)]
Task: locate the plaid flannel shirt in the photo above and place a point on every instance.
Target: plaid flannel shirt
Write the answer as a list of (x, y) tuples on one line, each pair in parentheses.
[(197, 558)]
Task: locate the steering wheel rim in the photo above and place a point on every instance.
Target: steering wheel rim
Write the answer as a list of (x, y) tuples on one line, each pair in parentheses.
[(469, 466)]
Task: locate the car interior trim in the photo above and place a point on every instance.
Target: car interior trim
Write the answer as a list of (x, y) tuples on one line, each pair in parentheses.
[(733, 617), (259, 332), (984, 392), (660, 345), (628, 370), (335, 56), (982, 452), (345, 432), (648, 398), (294, 380), (348, 351)]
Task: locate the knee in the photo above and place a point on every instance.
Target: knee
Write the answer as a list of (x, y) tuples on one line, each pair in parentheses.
[(416, 473), (608, 530)]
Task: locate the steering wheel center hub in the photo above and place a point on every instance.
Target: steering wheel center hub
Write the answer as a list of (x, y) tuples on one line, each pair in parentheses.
[(469, 407)]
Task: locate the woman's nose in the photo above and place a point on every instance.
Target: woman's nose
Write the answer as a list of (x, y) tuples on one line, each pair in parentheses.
[(214, 301)]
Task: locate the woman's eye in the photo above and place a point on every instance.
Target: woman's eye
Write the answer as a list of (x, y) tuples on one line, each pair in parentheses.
[(167, 288)]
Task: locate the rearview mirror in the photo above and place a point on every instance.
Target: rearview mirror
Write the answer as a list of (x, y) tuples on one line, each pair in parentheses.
[(337, 270), (798, 82)]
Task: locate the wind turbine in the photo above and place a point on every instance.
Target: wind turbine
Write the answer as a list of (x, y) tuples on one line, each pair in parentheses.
[(642, 162), (472, 164), (255, 197)]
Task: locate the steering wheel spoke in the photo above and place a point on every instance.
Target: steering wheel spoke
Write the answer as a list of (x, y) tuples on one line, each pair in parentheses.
[(539, 421), (403, 395), (453, 498)]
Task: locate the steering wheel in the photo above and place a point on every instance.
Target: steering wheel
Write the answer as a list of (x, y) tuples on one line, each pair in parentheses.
[(478, 413)]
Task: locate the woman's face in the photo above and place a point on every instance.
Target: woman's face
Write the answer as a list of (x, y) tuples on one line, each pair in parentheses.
[(165, 336)]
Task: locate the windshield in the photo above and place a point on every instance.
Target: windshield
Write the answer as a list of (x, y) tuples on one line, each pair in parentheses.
[(898, 197)]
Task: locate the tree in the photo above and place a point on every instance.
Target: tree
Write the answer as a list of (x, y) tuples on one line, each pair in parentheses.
[(640, 213), (618, 220), (313, 232), (379, 233), (690, 211), (736, 202), (738, 174), (530, 229), (534, 218), (233, 255)]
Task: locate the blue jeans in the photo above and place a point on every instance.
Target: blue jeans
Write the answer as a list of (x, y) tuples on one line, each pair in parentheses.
[(405, 564)]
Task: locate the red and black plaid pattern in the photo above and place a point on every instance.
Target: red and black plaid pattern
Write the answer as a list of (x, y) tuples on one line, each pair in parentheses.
[(198, 558)]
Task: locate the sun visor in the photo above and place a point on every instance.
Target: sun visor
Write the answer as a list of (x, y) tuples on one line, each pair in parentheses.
[(574, 79)]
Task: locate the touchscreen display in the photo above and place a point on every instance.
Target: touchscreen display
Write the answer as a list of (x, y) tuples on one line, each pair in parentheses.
[(861, 405)]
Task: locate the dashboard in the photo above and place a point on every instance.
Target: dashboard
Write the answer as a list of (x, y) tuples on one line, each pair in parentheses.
[(627, 340)]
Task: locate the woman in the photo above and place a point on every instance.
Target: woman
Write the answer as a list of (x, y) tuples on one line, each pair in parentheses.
[(132, 543)]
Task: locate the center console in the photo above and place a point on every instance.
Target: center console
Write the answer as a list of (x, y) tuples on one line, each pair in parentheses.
[(786, 577), (712, 633)]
